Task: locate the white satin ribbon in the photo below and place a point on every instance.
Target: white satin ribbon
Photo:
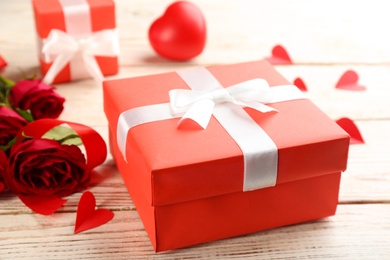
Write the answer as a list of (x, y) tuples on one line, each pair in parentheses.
[(77, 17), (199, 105), (61, 48), (259, 151)]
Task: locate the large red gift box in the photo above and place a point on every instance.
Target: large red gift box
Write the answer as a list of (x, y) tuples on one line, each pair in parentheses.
[(187, 185), (79, 19)]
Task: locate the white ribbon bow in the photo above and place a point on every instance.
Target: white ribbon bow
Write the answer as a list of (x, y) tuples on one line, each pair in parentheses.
[(198, 106), (208, 97), (63, 47)]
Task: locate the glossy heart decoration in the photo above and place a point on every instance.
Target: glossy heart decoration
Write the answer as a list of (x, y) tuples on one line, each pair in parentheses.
[(349, 81), (300, 84), (87, 216), (180, 33), (279, 56), (349, 126)]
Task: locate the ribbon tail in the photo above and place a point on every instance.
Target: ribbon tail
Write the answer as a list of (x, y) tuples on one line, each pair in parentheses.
[(92, 67), (198, 115), (138, 116), (256, 105), (58, 64)]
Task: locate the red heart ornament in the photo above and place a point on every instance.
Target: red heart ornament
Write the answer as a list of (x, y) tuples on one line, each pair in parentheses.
[(279, 56), (349, 126), (349, 81), (180, 33), (300, 84), (87, 216)]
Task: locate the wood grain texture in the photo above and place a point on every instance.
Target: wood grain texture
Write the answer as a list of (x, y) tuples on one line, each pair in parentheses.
[(40, 237), (324, 39)]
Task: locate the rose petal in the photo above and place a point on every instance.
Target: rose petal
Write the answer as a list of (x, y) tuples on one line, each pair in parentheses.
[(2, 186)]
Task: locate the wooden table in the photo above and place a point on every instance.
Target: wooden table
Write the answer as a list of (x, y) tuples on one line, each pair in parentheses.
[(324, 39)]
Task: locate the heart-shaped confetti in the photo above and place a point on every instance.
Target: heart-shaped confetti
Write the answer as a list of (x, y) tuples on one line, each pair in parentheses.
[(279, 56), (88, 216), (349, 126), (3, 63), (349, 81), (42, 205), (300, 84)]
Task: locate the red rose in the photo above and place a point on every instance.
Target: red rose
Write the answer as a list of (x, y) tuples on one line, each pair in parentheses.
[(39, 98), (10, 124), (3, 168), (46, 168)]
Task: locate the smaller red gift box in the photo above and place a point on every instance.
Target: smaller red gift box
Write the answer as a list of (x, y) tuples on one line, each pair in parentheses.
[(187, 184), (79, 23)]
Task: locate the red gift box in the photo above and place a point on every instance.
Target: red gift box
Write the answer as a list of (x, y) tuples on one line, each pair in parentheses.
[(187, 184), (82, 21)]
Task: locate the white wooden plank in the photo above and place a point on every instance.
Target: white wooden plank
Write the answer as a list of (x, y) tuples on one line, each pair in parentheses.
[(372, 103), (367, 178), (313, 32), (356, 232)]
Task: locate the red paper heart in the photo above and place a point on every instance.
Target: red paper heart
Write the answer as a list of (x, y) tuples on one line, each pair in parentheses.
[(180, 33), (42, 205), (279, 56), (87, 216), (300, 84), (3, 63), (349, 81), (349, 126)]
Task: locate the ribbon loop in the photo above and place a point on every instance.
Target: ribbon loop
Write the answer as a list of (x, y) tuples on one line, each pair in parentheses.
[(51, 47), (192, 104), (60, 48)]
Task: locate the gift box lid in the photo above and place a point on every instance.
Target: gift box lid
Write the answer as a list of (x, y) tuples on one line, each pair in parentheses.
[(49, 15), (181, 165)]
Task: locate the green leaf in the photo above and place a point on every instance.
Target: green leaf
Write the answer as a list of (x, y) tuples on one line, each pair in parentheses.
[(70, 139), (6, 82), (64, 135), (7, 146), (5, 88), (29, 77), (25, 114)]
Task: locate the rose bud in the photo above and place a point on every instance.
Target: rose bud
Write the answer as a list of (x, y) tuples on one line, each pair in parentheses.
[(44, 167), (10, 124), (39, 98)]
